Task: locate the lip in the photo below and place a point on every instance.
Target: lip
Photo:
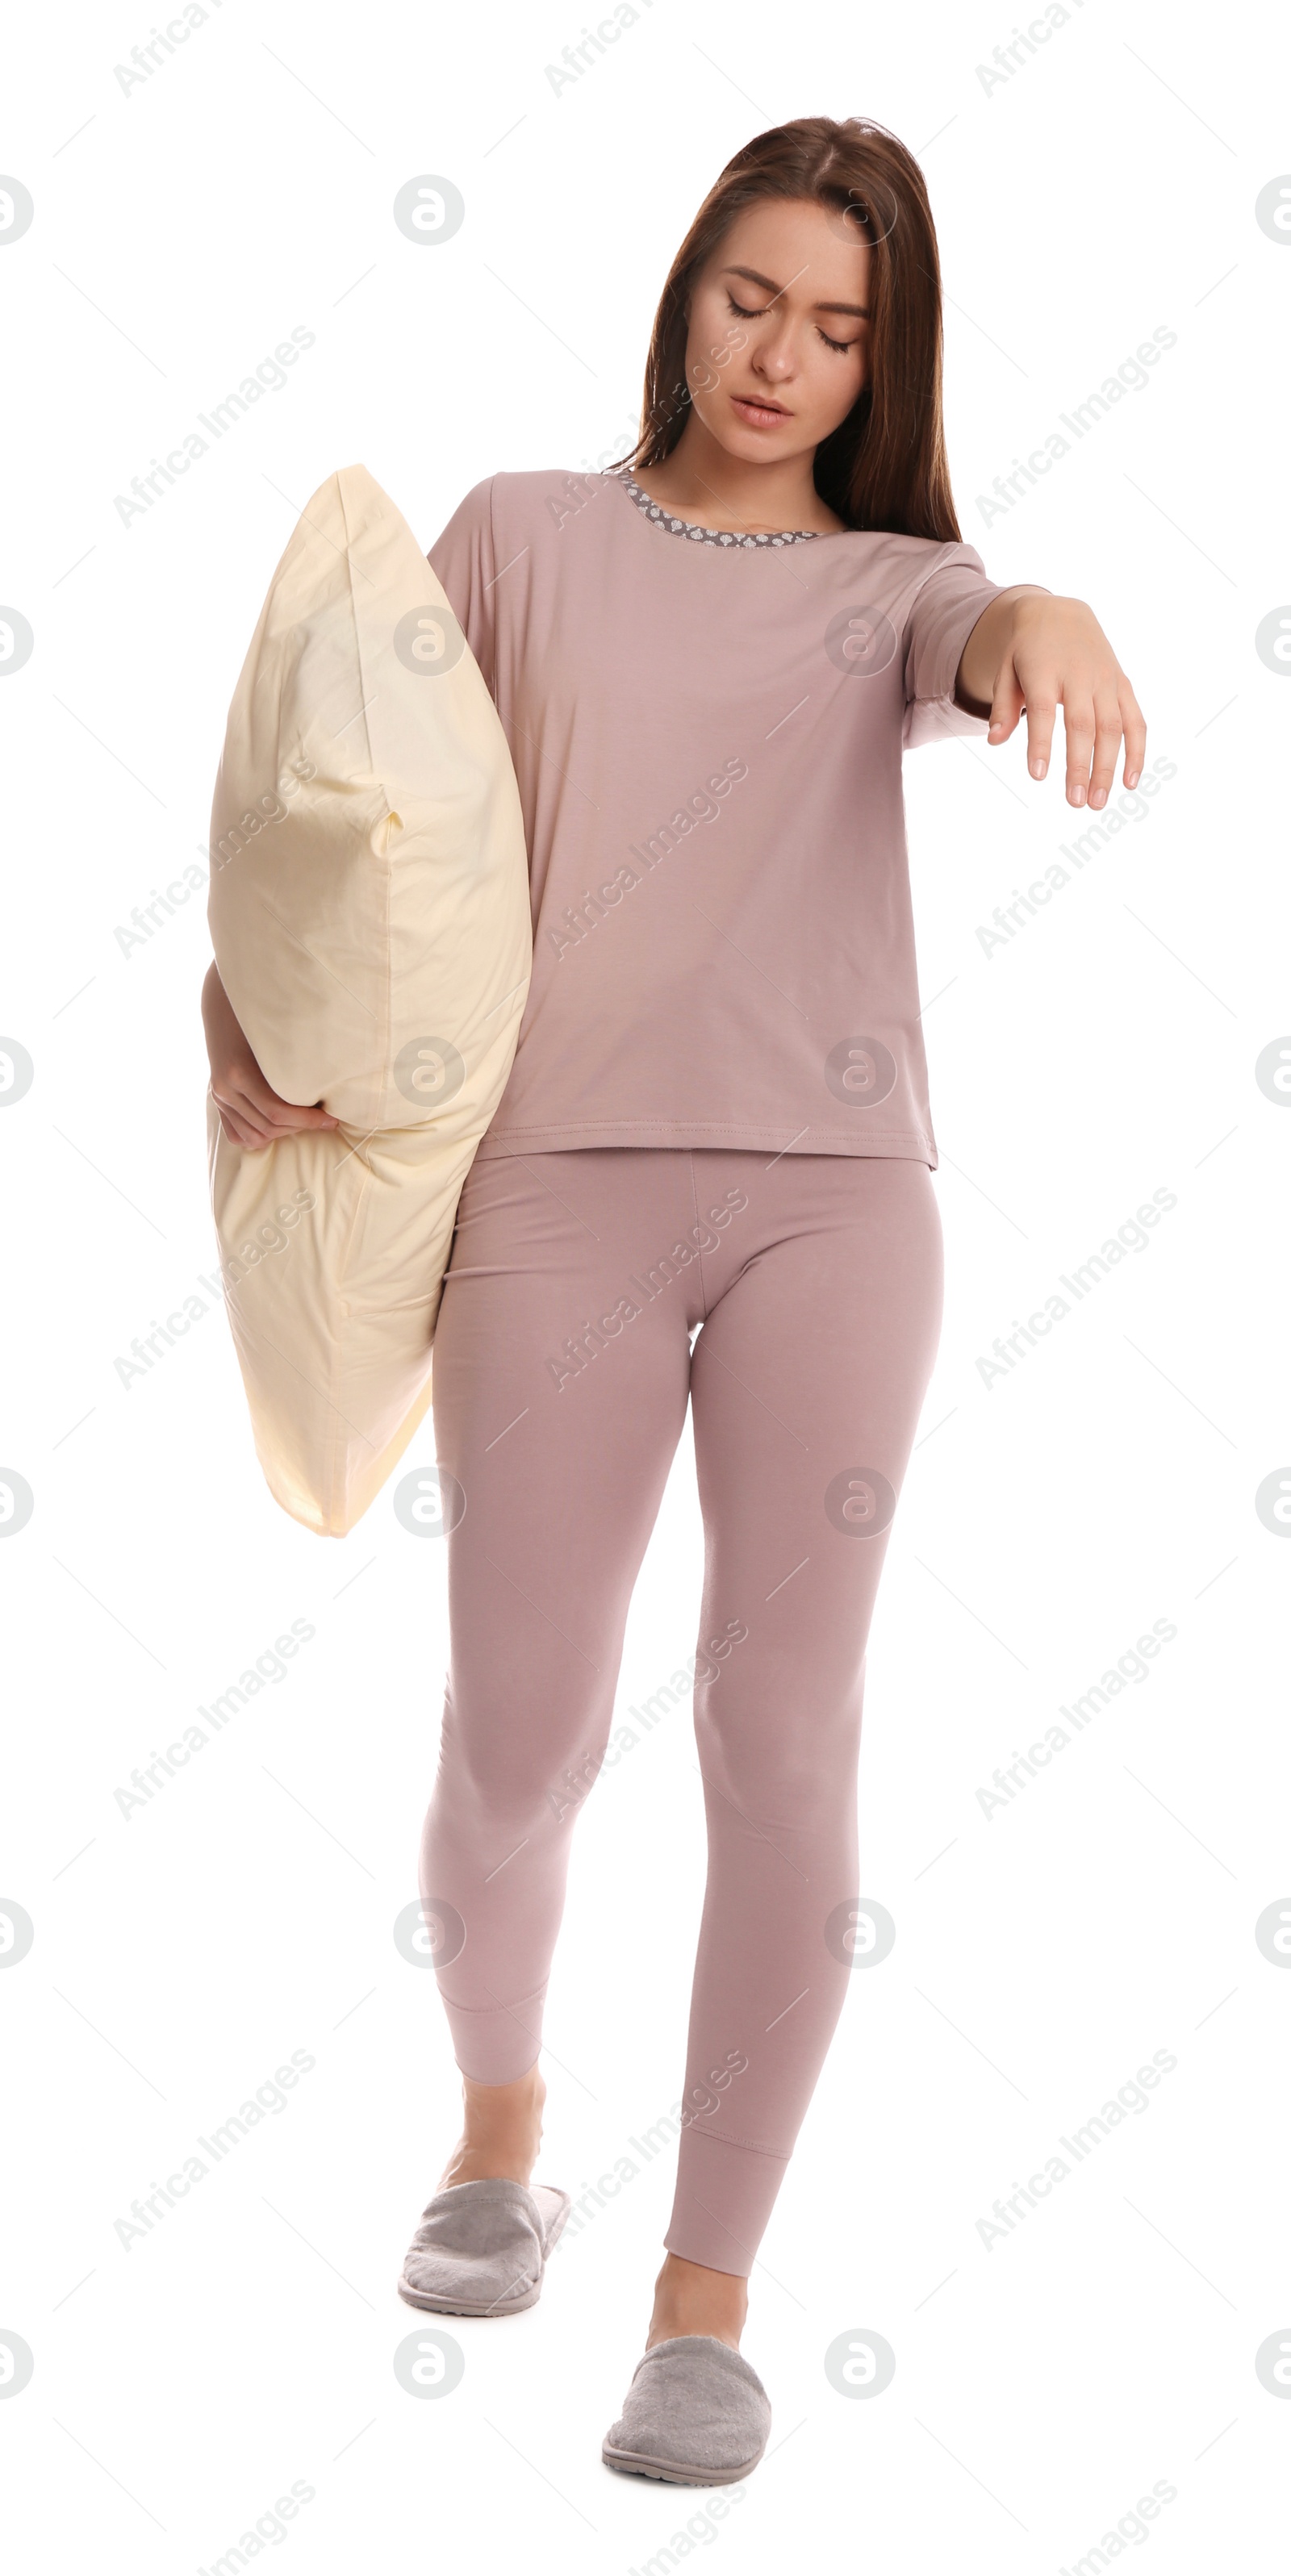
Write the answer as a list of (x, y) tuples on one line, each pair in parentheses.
[(759, 415)]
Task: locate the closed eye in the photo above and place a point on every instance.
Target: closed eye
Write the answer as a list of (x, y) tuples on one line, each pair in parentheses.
[(754, 313)]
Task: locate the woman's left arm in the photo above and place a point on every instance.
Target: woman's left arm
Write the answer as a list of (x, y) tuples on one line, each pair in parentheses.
[(1032, 653)]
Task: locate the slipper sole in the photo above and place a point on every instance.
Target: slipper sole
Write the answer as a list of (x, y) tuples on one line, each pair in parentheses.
[(468, 2307), (676, 2472)]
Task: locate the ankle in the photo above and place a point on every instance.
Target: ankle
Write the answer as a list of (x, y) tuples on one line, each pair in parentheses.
[(507, 2115), (501, 2131), (691, 2299)]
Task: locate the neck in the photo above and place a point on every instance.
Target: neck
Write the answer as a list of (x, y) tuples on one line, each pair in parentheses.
[(702, 481)]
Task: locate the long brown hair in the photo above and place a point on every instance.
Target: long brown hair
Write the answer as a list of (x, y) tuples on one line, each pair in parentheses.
[(885, 465)]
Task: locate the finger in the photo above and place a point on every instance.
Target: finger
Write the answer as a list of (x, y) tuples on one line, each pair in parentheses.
[(1078, 719), (287, 1117), (240, 1134), (1042, 707), (313, 1117), (246, 1079), (1136, 734), (1006, 704), (246, 1118), (1107, 744), (240, 1088), (264, 1110)]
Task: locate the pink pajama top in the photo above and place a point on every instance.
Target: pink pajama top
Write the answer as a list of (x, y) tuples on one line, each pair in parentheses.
[(707, 732)]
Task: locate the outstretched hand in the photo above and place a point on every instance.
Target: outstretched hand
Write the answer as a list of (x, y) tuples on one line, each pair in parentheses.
[(1031, 653), (251, 1113)]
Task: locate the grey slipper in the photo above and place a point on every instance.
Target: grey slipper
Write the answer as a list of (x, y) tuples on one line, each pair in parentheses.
[(482, 2247), (696, 2414)]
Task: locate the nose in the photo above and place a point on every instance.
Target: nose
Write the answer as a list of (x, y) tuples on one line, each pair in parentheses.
[(773, 357)]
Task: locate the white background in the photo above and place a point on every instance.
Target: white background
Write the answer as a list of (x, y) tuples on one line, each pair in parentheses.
[(181, 230)]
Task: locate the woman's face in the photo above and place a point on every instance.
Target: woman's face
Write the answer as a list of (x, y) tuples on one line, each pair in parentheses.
[(778, 340)]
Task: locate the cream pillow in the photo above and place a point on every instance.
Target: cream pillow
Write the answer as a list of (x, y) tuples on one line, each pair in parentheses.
[(369, 911)]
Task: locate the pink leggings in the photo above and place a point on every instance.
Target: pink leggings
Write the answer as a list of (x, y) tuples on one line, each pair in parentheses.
[(563, 1363)]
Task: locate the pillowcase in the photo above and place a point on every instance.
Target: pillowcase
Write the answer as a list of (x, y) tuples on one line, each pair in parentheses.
[(369, 911)]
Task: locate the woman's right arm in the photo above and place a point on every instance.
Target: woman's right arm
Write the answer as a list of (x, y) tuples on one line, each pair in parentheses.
[(251, 1113)]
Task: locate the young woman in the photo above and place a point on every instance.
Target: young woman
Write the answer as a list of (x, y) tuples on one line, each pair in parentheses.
[(709, 1179)]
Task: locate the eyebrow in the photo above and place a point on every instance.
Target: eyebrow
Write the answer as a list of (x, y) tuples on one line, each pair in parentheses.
[(770, 288)]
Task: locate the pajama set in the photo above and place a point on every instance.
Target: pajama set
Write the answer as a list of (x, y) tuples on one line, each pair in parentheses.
[(708, 1181)]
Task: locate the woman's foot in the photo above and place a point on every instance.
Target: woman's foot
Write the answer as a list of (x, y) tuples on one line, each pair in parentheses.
[(501, 2131), (689, 2299)]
